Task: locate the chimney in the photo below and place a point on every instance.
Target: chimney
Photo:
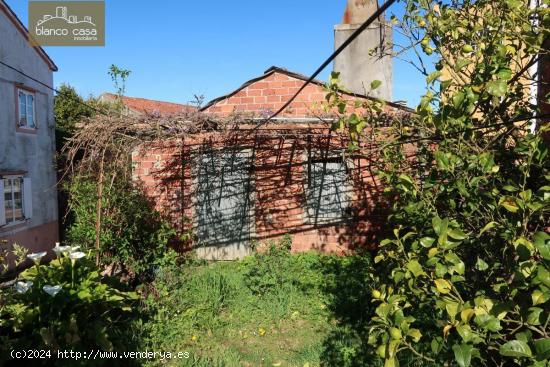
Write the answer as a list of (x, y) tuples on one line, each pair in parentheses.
[(357, 64)]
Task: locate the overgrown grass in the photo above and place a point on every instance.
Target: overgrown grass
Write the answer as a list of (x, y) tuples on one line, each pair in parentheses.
[(270, 309)]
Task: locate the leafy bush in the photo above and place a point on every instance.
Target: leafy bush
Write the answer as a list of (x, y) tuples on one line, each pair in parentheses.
[(65, 305), (133, 236), (466, 274)]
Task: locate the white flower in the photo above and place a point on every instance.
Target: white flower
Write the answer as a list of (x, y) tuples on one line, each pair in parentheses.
[(60, 249), (73, 248), (36, 256), (77, 255), (52, 290), (23, 287)]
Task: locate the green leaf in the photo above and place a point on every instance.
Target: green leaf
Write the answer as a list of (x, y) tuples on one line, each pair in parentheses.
[(427, 242), (459, 266), (481, 265), (415, 334), (457, 234), (338, 125), (510, 188), (375, 84), (497, 88), (514, 4), (526, 195), (442, 160), (342, 107), (391, 362), (431, 253), (445, 84), (505, 74), (509, 203), (487, 227), (443, 286), (488, 322), (541, 241), (443, 231), (436, 345), (405, 179), (534, 316), (467, 314), (383, 310), (451, 308), (415, 268), (433, 76), (461, 63), (463, 354), (436, 224), (465, 332), (539, 297), (542, 349), (458, 98), (515, 348), (84, 294), (543, 275)]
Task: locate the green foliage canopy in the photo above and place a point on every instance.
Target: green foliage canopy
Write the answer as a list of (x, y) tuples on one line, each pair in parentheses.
[(465, 274)]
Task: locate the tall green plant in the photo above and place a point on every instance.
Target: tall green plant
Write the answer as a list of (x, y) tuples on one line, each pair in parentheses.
[(133, 236), (64, 305), (466, 274)]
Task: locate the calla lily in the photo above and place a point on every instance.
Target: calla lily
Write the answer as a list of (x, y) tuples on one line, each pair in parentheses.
[(77, 255), (59, 250), (23, 287), (36, 256), (52, 290)]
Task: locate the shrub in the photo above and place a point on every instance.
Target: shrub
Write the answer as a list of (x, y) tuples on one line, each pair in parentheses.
[(466, 273), (65, 304), (133, 236)]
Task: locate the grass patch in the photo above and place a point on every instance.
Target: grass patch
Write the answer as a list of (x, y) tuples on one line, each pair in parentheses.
[(270, 309)]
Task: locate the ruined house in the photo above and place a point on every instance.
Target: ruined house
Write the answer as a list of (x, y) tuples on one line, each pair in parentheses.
[(236, 187)]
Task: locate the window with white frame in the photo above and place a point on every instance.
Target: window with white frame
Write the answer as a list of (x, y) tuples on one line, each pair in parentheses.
[(26, 115), (15, 199)]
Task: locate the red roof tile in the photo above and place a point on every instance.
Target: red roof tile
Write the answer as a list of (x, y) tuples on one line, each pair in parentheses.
[(150, 106)]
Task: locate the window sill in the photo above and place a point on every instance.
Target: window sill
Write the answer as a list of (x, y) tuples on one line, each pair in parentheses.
[(14, 225), (26, 130)]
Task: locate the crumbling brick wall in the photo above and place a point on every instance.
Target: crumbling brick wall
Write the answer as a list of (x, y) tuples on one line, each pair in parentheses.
[(279, 180), (280, 159)]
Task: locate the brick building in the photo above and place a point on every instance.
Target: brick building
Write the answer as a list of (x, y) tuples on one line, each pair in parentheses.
[(237, 186), (247, 184)]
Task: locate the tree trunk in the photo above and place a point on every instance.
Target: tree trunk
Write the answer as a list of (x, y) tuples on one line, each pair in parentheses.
[(99, 207)]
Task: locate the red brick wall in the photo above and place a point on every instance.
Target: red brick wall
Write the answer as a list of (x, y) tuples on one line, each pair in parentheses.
[(269, 94), (166, 168), (166, 172)]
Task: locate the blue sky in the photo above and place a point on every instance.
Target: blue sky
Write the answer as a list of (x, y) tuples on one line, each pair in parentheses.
[(178, 48)]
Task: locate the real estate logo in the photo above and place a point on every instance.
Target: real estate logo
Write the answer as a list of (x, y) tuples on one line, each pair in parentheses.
[(67, 23)]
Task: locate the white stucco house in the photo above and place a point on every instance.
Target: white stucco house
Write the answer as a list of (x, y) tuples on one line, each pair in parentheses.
[(28, 194)]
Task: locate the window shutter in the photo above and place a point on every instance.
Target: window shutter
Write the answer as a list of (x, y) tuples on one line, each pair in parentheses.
[(27, 197), (2, 208)]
